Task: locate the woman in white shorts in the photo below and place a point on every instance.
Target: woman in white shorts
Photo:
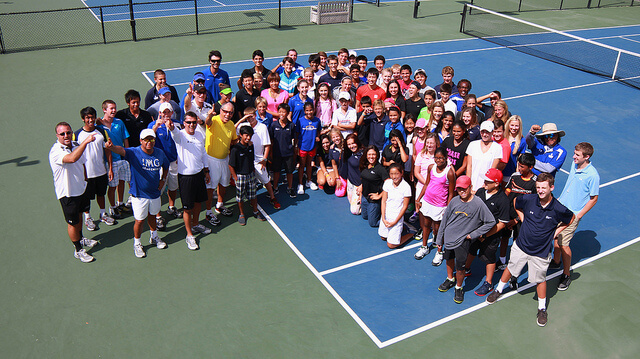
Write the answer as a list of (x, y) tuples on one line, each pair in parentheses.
[(396, 195)]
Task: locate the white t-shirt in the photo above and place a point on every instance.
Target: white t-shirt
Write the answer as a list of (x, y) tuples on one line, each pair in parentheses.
[(192, 157), (68, 178), (94, 152), (260, 139), (451, 106), (341, 118), (481, 161), (395, 197)]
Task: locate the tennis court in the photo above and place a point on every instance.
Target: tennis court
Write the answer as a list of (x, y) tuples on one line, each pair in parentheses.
[(315, 281)]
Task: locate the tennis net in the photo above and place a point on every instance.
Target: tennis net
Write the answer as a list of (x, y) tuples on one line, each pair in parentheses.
[(553, 45)]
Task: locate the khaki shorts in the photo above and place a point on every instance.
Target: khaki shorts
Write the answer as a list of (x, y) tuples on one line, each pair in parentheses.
[(564, 238), (537, 266)]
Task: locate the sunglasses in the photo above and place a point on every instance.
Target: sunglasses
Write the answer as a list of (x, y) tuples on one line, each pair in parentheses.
[(68, 133), (214, 61), (190, 122), (550, 135), (149, 139)]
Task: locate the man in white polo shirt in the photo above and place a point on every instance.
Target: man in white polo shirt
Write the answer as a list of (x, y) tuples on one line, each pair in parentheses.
[(67, 159)]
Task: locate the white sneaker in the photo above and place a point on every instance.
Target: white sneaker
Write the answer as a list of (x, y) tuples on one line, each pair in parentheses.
[(83, 256), (90, 225), (191, 243), (313, 186), (88, 243), (300, 189), (422, 252), (158, 242), (139, 251), (437, 259), (201, 229)]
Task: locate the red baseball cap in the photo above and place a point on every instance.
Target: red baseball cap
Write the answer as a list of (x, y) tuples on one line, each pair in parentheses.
[(463, 182), (493, 175)]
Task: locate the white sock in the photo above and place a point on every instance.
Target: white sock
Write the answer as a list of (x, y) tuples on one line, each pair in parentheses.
[(154, 234), (458, 287), (503, 259), (218, 204), (451, 279), (501, 285), (87, 216), (120, 203), (136, 241), (542, 303), (209, 212)]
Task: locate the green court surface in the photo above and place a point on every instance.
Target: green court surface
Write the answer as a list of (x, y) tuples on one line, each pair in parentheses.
[(244, 294)]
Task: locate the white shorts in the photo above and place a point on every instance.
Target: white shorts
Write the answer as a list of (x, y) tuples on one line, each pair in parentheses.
[(537, 266), (431, 211), (262, 174), (394, 233), (354, 198), (219, 172), (121, 172), (143, 207), (172, 178)]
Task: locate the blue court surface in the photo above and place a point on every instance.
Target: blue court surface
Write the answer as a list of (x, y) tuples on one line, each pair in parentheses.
[(143, 10), (391, 295)]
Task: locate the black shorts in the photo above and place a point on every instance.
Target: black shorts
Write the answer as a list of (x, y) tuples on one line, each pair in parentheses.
[(459, 253), (193, 189), (97, 186), (486, 250), (288, 163), (73, 207)]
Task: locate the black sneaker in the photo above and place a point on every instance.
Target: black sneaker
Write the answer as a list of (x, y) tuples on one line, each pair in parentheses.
[(565, 281), (500, 265), (292, 192), (513, 283), (116, 213), (458, 296), (175, 212), (276, 190), (446, 285), (542, 317), (467, 272), (161, 224), (259, 216), (554, 265), (124, 208), (493, 297), (213, 219)]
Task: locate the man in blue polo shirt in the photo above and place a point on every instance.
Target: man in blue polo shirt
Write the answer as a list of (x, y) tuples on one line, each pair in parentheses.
[(543, 219), (214, 76), (580, 194)]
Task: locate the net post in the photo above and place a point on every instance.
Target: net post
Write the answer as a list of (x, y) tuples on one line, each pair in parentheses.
[(378, 3), (416, 5), (132, 21), (195, 12), (589, 4), (561, 2), (279, 14), (519, 5), (464, 16), (615, 68), (2, 49), (351, 12), (104, 36)]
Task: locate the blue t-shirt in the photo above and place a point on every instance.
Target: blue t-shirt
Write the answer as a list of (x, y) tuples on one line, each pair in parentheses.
[(288, 83), (266, 120), (390, 126), (145, 171), (118, 133), (282, 138), (297, 107), (353, 165), (377, 132), (336, 155), (164, 141), (540, 224), (580, 187), (308, 130), (212, 83)]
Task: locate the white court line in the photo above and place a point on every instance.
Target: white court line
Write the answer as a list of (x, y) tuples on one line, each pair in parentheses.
[(620, 179), (507, 295), (624, 38), (219, 2), (324, 282), (365, 260), (90, 9)]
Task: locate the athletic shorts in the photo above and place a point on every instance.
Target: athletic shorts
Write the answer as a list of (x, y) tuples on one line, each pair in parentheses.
[(218, 172), (262, 173), (97, 186), (192, 189), (393, 234), (286, 163), (143, 207), (311, 154), (73, 207), (486, 250), (459, 253), (121, 172), (564, 238), (172, 179), (537, 266), (246, 187), (431, 211)]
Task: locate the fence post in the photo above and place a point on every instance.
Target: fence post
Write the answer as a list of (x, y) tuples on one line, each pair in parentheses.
[(133, 21), (519, 5), (279, 14), (561, 2), (416, 4), (104, 36), (2, 50), (464, 16), (351, 12), (195, 8)]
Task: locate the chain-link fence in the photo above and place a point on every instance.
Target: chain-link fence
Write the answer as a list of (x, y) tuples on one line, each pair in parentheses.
[(34, 30)]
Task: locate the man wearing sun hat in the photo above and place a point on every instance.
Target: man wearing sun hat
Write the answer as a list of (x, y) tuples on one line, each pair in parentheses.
[(465, 219), (546, 148)]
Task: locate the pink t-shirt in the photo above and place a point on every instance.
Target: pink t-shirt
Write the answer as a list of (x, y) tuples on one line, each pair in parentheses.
[(423, 160), (506, 149), (272, 105), (437, 191), (325, 111)]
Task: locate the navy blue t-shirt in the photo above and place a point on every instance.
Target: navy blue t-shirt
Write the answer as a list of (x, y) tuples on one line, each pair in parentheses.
[(282, 138), (377, 132), (539, 225), (353, 164), (336, 155), (145, 171)]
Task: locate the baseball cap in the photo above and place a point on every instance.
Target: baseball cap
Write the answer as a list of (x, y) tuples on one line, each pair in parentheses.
[(422, 71), (147, 132), (463, 182), (165, 106), (352, 53), (344, 95), (493, 175), (199, 88), (421, 123), (486, 126), (198, 76), (163, 90)]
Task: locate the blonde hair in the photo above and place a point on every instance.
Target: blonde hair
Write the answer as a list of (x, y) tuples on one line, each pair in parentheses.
[(518, 138), (502, 104)]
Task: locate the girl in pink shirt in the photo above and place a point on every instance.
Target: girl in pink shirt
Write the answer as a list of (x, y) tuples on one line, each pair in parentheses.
[(325, 105), (274, 94)]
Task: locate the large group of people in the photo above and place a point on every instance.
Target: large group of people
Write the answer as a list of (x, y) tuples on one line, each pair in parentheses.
[(459, 165)]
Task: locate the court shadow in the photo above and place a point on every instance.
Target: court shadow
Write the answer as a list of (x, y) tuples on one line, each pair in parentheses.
[(20, 162)]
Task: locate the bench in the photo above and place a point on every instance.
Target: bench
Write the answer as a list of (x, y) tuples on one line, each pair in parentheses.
[(331, 12)]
